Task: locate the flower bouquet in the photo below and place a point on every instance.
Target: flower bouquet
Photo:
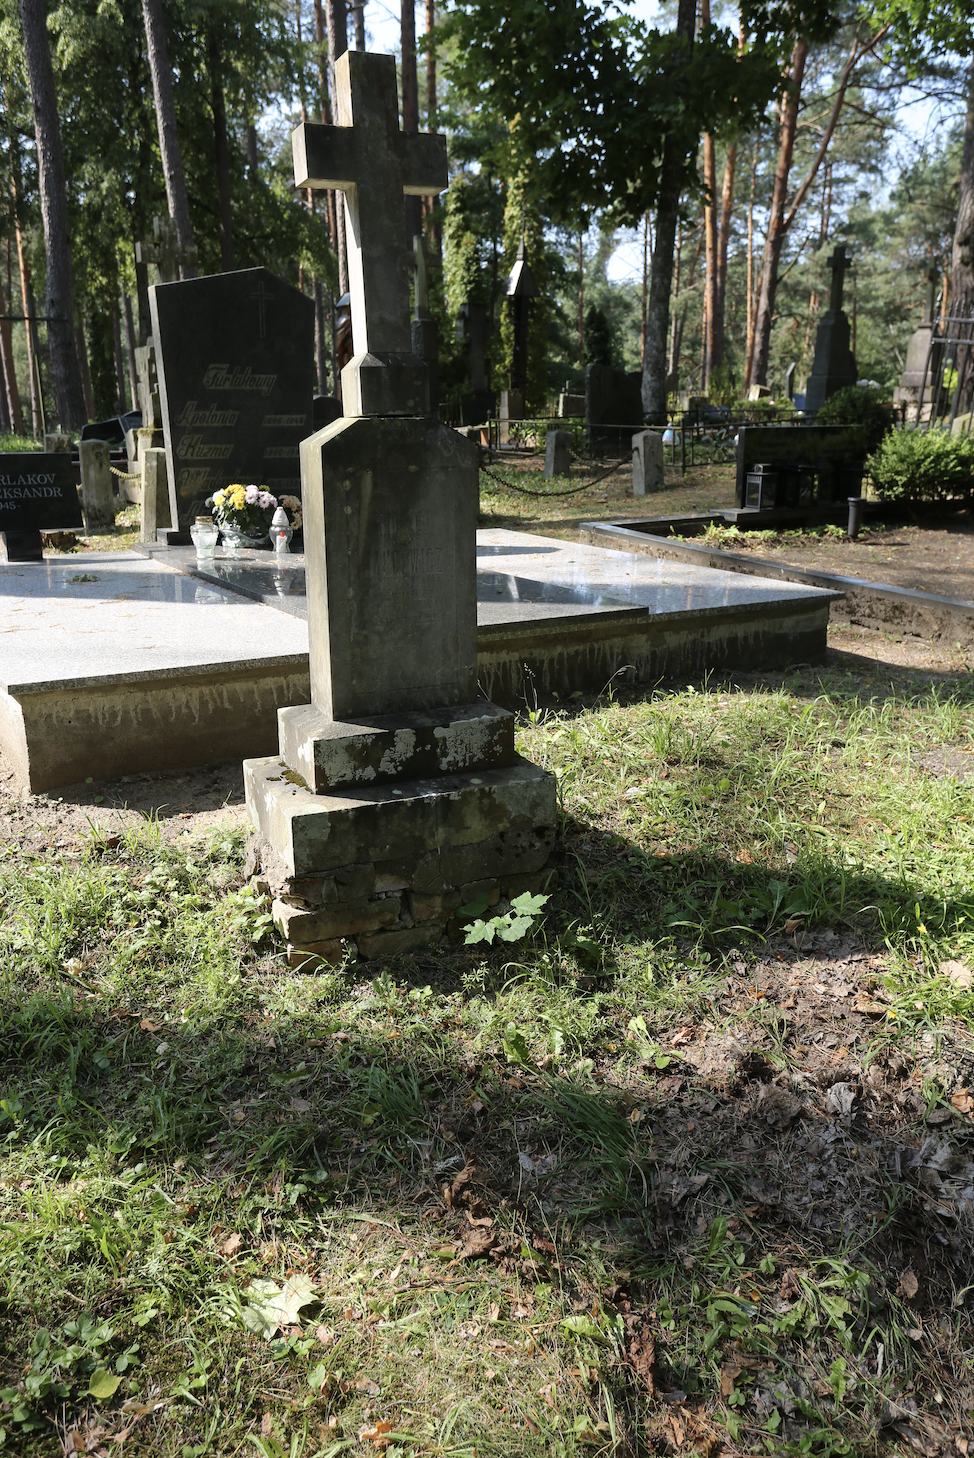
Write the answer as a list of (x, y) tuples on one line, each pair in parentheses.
[(244, 513)]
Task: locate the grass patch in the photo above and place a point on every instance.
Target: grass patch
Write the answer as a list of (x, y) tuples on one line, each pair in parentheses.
[(689, 1170)]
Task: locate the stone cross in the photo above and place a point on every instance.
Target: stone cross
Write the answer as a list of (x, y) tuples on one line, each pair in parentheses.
[(168, 257), (838, 263), (165, 252), (374, 164)]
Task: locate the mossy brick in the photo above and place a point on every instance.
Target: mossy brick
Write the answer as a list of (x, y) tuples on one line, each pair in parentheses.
[(307, 959), (339, 919), (426, 908), (393, 943), (352, 883)]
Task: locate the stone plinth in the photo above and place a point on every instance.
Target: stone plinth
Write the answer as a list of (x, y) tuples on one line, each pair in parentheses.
[(384, 870)]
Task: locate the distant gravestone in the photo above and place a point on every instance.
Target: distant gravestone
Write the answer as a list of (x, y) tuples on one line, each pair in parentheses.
[(38, 493), (834, 365), (647, 462), (235, 357), (612, 398), (558, 453)]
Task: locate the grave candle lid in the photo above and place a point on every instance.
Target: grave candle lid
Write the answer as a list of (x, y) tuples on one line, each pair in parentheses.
[(204, 521)]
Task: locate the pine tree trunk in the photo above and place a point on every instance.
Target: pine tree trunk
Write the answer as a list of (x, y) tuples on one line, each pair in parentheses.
[(764, 316), (15, 414), (130, 351), (54, 217), (710, 259), (962, 259), (222, 149), (723, 239), (172, 161), (81, 349), (336, 26), (672, 171), (410, 108), (36, 409), (358, 24)]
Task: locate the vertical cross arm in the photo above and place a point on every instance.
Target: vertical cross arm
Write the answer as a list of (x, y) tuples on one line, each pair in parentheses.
[(324, 156), (424, 170)]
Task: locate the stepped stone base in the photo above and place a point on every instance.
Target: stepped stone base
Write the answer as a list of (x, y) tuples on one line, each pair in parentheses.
[(386, 868)]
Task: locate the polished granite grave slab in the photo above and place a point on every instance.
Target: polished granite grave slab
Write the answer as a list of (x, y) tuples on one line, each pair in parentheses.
[(112, 663)]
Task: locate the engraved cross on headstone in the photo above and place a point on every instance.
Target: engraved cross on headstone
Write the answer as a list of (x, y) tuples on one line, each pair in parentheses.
[(263, 296), (374, 164), (838, 263)]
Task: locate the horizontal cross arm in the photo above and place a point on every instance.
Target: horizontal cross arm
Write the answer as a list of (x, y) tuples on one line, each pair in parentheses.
[(425, 172), (325, 156)]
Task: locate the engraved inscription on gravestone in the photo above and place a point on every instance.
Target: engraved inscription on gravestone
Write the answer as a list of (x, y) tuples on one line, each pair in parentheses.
[(38, 492), (236, 378)]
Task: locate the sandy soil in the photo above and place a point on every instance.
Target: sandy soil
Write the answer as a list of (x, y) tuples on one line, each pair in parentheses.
[(937, 556)]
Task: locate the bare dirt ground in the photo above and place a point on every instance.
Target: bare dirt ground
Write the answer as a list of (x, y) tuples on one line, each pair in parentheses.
[(935, 556)]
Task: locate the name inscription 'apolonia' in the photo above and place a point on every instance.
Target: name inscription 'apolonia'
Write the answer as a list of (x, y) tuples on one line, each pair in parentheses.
[(222, 377), (191, 418)]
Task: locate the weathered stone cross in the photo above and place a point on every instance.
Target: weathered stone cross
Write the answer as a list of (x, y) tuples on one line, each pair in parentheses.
[(838, 263), (374, 164)]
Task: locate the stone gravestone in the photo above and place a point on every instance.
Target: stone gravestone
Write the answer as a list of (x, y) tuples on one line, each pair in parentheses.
[(473, 328), (558, 453), (612, 398), (924, 359), (834, 365), (38, 493), (397, 796), (97, 493), (647, 462), (235, 355)]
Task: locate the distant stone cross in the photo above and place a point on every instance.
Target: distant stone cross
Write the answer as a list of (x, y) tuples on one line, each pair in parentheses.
[(838, 263), (374, 164), (165, 252), (263, 296)]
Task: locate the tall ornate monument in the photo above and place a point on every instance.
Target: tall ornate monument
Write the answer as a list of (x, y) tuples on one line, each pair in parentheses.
[(397, 796), (834, 365)]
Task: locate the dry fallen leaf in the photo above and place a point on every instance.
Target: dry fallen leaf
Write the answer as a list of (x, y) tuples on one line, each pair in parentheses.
[(778, 1107), (908, 1286), (962, 1101), (300, 1106), (369, 1386), (793, 923), (642, 1355), (231, 1245), (325, 1335), (476, 1243), (959, 974), (790, 1289), (376, 1433)]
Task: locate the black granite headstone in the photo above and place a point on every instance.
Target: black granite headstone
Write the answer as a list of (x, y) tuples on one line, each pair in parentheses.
[(236, 378), (38, 492), (612, 398), (812, 464)]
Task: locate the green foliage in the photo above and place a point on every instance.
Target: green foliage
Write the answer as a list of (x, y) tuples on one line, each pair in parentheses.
[(597, 337), (510, 926), (857, 405), (65, 1369), (923, 465)]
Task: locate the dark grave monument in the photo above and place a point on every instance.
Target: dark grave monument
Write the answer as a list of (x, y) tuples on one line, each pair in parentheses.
[(612, 399), (235, 355), (473, 328), (38, 493), (789, 467), (521, 292), (834, 365)]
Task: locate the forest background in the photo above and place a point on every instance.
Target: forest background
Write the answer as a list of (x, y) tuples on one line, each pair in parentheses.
[(723, 151)]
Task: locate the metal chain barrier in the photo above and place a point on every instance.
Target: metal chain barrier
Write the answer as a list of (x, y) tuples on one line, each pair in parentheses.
[(126, 475), (551, 495)]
